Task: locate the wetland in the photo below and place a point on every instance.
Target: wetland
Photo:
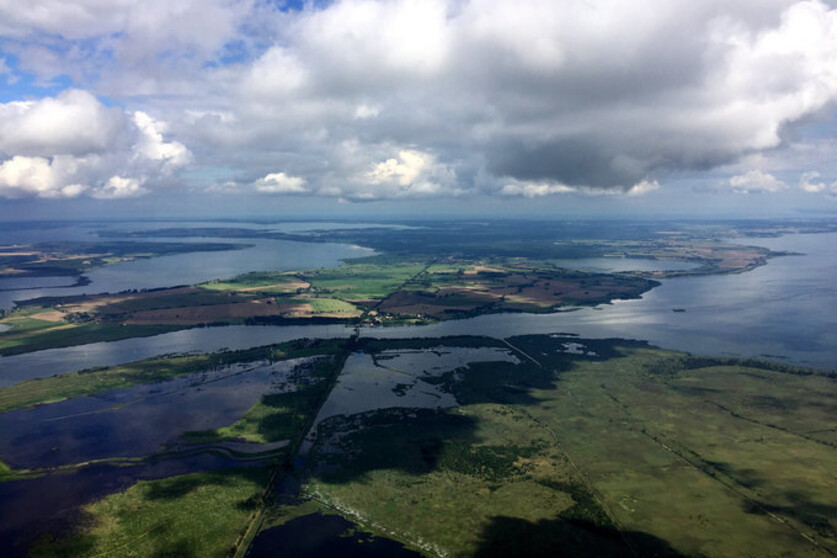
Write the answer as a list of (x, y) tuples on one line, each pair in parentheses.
[(446, 391)]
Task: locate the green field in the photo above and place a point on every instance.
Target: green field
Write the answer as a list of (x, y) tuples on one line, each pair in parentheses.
[(200, 514), (327, 305), (22, 322), (361, 281), (273, 282), (669, 455)]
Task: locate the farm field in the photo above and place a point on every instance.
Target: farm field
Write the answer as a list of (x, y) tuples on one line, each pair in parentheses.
[(395, 292)]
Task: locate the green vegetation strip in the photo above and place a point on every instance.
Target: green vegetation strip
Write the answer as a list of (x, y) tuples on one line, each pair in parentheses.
[(277, 416), (13, 342), (362, 281), (78, 384), (192, 515)]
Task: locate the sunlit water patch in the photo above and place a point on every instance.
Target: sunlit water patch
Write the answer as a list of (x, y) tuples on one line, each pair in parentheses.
[(621, 264)]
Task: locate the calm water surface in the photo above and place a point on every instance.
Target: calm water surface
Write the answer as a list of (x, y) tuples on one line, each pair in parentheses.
[(177, 269), (50, 362), (613, 265), (396, 379), (784, 310), (136, 421)]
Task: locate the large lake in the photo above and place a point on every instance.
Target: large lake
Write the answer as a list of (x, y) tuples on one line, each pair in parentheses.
[(783, 311), (178, 269)]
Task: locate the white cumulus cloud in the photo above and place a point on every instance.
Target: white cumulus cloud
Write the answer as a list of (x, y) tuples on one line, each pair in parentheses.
[(411, 173), (756, 181), (809, 182), (73, 123), (72, 144), (119, 187), (373, 99), (281, 183)]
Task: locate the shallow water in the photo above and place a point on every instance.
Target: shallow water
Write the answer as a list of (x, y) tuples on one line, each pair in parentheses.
[(136, 421), (41, 364), (323, 536), (49, 505), (396, 380)]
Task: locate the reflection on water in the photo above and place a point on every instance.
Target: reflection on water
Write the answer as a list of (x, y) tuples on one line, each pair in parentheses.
[(619, 264), (136, 421), (198, 267), (323, 536), (396, 379), (40, 364), (783, 309), (28, 283), (30, 509)]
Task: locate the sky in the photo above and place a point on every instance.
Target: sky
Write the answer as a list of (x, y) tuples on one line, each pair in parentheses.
[(417, 108)]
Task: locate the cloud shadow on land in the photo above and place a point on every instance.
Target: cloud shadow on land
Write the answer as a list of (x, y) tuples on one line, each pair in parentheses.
[(555, 538)]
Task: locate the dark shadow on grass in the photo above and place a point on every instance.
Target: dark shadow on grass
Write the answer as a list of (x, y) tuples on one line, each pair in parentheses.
[(179, 549), (818, 517), (418, 441), (411, 440), (177, 487), (509, 536)]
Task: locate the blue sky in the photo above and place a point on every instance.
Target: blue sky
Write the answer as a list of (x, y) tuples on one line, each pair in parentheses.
[(417, 107)]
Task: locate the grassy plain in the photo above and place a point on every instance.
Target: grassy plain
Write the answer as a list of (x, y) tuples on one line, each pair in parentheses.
[(361, 281), (619, 449), (201, 514), (392, 291), (593, 447)]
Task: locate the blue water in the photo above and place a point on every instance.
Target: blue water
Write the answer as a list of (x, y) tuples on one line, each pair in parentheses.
[(178, 269), (783, 310), (135, 421)]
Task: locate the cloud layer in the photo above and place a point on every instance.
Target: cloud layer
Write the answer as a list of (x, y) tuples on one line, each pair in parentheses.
[(369, 99), (72, 144)]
